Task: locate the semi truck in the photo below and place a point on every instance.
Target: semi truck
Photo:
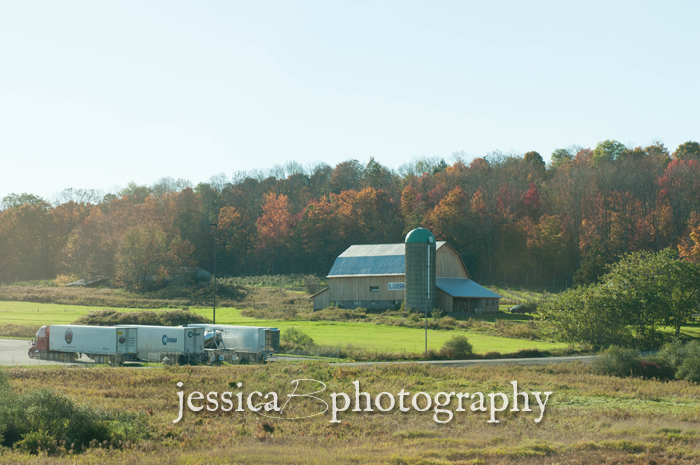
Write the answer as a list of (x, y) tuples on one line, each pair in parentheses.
[(182, 344), (66, 343)]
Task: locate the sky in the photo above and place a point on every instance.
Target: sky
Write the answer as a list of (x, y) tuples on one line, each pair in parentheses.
[(94, 95)]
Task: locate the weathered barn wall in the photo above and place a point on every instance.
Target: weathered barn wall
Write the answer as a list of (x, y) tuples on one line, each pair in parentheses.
[(322, 299), (358, 288), (444, 301), (450, 264)]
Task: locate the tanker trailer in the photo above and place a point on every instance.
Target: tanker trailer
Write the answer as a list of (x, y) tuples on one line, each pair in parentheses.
[(251, 343)]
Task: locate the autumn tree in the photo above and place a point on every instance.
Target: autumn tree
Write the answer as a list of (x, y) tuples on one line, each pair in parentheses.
[(141, 257), (274, 229)]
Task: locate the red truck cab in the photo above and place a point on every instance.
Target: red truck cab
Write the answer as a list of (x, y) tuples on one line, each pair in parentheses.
[(40, 344)]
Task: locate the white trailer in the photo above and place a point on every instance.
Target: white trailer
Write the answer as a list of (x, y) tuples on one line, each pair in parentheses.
[(97, 342), (178, 343), (251, 343)]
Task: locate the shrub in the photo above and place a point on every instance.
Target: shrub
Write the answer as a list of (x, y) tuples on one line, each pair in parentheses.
[(13, 330), (4, 380), (109, 317), (293, 339), (437, 313), (447, 323), (458, 347), (618, 361), (63, 279), (312, 284), (689, 369), (673, 353), (684, 359), (530, 306), (517, 330), (530, 353), (45, 420), (656, 367), (38, 441)]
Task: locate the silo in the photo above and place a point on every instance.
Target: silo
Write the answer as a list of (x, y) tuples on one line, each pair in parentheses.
[(420, 270)]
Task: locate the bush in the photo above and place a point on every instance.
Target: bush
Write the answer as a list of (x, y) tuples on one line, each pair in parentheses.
[(517, 330), (295, 339), (38, 441), (689, 368), (447, 323), (109, 317), (4, 380), (457, 347), (312, 284), (13, 330), (673, 353), (684, 359), (530, 353), (46, 420), (618, 361), (656, 367)]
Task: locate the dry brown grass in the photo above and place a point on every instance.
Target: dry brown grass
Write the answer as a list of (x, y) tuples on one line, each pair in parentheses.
[(589, 418)]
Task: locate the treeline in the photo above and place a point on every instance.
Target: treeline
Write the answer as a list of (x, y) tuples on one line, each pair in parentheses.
[(513, 218)]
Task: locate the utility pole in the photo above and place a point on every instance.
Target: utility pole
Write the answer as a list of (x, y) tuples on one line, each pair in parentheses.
[(426, 307), (216, 229)]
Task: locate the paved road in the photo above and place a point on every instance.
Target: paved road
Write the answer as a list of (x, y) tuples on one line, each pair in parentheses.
[(457, 363), (14, 352), (500, 361)]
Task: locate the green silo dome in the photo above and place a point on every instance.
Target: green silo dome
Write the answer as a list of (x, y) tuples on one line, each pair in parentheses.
[(420, 235)]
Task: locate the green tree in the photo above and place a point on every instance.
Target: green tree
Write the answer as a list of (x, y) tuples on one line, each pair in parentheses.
[(561, 156), (678, 282), (608, 150), (17, 200), (688, 151), (636, 286), (641, 291)]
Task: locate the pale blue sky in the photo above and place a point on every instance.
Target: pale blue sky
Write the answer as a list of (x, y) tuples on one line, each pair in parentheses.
[(97, 94)]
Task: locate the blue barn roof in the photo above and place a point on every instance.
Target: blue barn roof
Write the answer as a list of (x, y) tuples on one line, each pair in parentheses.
[(372, 260), (460, 287)]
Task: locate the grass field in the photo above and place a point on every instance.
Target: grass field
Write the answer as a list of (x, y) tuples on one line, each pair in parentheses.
[(361, 335), (589, 419)]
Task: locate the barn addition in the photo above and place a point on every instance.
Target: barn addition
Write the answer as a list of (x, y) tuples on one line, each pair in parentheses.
[(427, 274)]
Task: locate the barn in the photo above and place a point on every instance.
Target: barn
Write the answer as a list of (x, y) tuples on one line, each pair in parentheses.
[(427, 274)]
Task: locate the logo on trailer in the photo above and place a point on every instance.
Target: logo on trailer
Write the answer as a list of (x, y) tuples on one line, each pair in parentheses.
[(122, 339), (167, 339), (69, 335), (189, 334)]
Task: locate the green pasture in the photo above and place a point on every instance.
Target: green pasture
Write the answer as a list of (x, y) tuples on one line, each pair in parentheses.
[(381, 337), (32, 313), (330, 333)]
